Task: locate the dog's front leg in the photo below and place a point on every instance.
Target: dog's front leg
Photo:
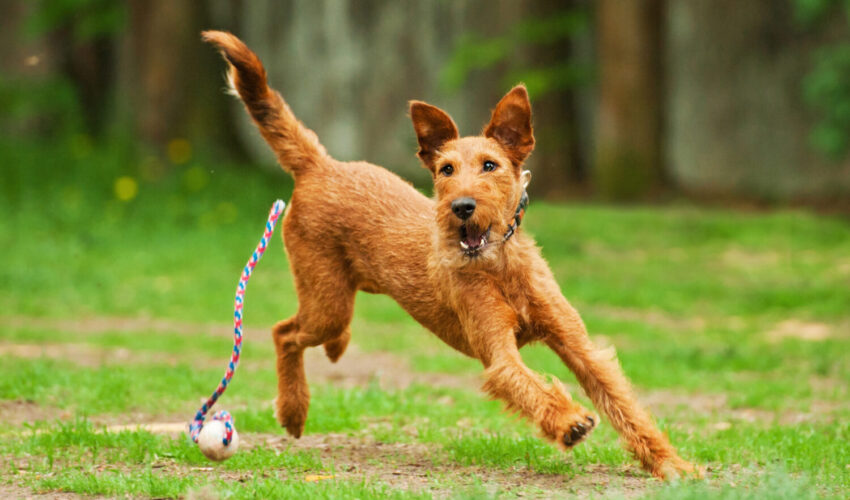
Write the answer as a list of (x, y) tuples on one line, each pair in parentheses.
[(599, 373), (491, 326)]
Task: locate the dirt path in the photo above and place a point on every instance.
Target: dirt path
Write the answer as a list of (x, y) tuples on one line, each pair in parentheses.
[(11, 491), (111, 323), (411, 466), (355, 369), (14, 413), (416, 466)]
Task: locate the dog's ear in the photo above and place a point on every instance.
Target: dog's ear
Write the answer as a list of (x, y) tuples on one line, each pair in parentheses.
[(433, 129), (510, 124)]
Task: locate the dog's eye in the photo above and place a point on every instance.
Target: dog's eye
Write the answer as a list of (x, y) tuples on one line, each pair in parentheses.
[(489, 166), (447, 170)]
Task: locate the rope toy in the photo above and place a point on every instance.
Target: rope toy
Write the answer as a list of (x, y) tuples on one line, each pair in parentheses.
[(218, 439)]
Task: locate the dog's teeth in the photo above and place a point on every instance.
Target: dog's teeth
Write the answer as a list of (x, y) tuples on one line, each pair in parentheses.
[(464, 245)]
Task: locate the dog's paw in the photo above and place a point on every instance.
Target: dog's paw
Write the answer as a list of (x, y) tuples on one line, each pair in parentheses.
[(290, 415), (676, 468), (578, 429), (567, 425)]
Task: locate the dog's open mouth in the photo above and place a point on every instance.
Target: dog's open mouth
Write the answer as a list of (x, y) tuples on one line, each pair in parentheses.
[(473, 239)]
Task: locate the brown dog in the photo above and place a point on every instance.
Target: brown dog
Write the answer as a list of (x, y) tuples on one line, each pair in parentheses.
[(458, 264)]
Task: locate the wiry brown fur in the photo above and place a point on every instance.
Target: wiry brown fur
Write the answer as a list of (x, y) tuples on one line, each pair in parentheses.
[(354, 226)]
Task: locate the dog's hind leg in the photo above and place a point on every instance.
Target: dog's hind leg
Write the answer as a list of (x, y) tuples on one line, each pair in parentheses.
[(326, 304), (599, 373), (335, 348), (293, 394)]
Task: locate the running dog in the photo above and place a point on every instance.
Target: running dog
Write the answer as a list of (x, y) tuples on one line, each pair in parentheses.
[(458, 263)]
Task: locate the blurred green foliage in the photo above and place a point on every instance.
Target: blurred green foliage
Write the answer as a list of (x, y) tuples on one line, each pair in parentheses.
[(476, 52), (826, 88), (39, 107), (51, 106), (87, 19)]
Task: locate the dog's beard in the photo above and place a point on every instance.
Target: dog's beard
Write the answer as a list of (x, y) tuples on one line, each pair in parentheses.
[(470, 242), (466, 245)]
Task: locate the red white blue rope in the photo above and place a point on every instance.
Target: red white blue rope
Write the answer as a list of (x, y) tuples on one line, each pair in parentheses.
[(225, 417)]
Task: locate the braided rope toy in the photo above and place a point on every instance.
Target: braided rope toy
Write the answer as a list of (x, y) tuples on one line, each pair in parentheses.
[(218, 439)]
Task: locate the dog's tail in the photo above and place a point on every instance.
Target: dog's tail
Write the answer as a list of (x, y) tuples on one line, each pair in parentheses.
[(297, 147)]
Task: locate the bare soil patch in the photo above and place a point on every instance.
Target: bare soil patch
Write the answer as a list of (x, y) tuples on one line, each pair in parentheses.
[(409, 466), (355, 368), (652, 317), (412, 466), (11, 491), (17, 412), (85, 355), (416, 466), (104, 324), (740, 258), (672, 403), (803, 330)]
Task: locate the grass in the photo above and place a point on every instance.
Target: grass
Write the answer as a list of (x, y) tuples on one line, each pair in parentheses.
[(733, 326)]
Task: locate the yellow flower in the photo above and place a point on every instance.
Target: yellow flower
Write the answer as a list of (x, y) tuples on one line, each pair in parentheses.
[(126, 188)]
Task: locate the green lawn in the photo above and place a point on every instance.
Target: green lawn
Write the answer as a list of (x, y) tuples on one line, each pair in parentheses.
[(734, 328)]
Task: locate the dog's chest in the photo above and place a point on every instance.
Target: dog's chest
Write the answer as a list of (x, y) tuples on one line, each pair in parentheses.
[(518, 297)]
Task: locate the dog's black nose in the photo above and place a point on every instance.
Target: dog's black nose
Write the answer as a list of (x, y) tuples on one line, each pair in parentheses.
[(463, 207)]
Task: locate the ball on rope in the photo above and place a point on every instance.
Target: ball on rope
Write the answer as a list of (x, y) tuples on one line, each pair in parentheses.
[(213, 441), (218, 439)]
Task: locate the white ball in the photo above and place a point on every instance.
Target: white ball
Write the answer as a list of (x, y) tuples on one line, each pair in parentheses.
[(210, 441)]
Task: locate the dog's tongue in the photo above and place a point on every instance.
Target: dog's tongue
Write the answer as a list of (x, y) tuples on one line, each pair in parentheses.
[(473, 236)]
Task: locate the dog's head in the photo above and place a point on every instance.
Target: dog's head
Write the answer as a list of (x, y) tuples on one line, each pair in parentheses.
[(478, 180)]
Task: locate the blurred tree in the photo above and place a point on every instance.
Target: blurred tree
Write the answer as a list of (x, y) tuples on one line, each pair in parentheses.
[(748, 87), (542, 50), (827, 85), (555, 64), (738, 121), (80, 34), (135, 67), (629, 160), (170, 84)]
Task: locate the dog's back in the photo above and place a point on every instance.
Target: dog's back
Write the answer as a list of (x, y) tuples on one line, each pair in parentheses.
[(384, 243)]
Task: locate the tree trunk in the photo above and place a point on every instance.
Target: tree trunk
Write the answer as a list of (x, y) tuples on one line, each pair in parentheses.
[(170, 82), (628, 161), (558, 161), (739, 126)]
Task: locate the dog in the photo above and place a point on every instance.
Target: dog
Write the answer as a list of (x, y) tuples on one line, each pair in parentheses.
[(459, 264)]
